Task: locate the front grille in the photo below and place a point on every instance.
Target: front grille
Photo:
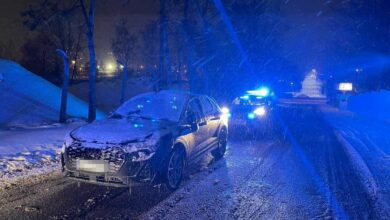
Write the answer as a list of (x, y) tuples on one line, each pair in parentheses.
[(114, 155)]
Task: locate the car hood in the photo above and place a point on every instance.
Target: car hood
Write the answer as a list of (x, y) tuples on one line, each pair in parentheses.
[(117, 131)]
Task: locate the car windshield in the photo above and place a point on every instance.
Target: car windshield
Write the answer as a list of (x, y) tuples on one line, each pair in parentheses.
[(249, 100), (157, 106)]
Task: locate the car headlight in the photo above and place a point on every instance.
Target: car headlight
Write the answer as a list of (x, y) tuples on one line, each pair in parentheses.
[(67, 142), (143, 149), (63, 148), (260, 111)]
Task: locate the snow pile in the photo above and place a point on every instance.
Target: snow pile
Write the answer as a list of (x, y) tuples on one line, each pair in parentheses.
[(28, 163), (374, 105), (367, 144), (359, 165), (27, 99), (29, 152)]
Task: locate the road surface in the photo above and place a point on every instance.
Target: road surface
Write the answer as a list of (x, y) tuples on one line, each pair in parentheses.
[(301, 172)]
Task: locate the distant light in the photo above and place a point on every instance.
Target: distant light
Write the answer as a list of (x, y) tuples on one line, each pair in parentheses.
[(251, 116), (260, 111), (314, 70), (110, 67), (121, 66), (345, 86), (264, 91), (291, 83), (73, 62), (98, 67), (141, 67)]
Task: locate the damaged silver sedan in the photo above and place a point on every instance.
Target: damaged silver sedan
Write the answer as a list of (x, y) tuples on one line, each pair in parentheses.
[(149, 139)]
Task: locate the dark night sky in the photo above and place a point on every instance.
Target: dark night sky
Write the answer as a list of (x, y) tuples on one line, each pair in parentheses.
[(138, 13), (308, 38)]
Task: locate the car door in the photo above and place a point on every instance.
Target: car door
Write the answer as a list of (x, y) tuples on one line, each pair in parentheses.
[(212, 117), (199, 137)]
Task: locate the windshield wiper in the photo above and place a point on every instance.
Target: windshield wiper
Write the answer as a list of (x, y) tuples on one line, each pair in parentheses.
[(134, 112), (157, 119), (120, 116), (116, 116)]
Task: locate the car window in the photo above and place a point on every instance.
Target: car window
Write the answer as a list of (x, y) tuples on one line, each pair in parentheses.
[(216, 108), (208, 106), (195, 106)]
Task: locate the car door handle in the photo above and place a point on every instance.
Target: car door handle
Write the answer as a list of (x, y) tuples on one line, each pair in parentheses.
[(202, 123)]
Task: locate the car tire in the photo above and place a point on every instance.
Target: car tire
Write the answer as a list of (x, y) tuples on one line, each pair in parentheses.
[(174, 168), (222, 143)]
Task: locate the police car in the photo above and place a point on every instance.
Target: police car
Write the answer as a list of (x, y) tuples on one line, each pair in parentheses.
[(251, 112)]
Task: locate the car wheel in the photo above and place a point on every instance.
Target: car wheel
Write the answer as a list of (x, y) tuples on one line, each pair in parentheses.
[(175, 169), (222, 142)]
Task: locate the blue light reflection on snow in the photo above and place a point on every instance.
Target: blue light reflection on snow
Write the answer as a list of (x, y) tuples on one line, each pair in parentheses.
[(320, 183)]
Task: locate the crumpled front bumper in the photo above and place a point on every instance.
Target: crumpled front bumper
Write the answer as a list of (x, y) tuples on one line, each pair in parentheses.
[(123, 174)]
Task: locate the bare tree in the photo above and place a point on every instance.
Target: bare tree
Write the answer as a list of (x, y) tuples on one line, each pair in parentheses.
[(55, 19), (89, 16), (123, 44), (164, 67), (51, 14), (123, 48)]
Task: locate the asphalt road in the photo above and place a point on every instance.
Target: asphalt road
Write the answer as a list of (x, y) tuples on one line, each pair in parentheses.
[(300, 172)]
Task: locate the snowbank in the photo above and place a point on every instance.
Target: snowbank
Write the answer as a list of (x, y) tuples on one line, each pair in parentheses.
[(374, 105), (27, 99), (27, 152)]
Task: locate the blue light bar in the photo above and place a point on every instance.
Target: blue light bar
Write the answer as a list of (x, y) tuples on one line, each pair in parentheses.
[(246, 97), (263, 91)]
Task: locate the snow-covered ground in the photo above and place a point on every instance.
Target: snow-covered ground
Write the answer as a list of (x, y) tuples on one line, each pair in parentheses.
[(308, 175), (367, 143), (25, 152)]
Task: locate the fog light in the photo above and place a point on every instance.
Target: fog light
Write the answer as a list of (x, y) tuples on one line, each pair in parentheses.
[(251, 116)]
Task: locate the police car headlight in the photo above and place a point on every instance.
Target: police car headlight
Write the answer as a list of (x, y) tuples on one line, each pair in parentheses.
[(260, 111)]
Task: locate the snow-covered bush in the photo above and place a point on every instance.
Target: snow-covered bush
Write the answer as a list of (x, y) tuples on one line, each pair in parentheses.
[(374, 105)]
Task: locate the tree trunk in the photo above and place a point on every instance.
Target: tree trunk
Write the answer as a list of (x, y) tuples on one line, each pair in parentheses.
[(92, 77), (92, 63), (65, 84), (162, 78), (189, 48), (124, 84), (74, 71)]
